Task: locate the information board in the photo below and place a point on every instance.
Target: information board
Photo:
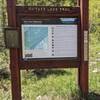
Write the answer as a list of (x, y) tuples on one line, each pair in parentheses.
[(49, 37), (52, 39)]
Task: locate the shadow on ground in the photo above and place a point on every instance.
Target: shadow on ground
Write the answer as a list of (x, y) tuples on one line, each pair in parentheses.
[(46, 72), (90, 96), (93, 96)]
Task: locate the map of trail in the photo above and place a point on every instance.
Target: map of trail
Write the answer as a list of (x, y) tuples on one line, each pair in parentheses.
[(35, 38)]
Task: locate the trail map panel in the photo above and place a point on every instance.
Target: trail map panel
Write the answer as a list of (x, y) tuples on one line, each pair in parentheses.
[(50, 40)]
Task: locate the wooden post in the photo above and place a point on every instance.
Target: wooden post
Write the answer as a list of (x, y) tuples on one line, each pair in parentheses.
[(83, 70), (15, 71)]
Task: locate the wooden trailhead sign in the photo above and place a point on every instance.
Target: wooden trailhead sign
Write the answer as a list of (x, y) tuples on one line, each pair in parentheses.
[(47, 37)]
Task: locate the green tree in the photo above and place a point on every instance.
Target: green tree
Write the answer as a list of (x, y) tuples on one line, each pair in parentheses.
[(95, 19), (2, 22), (47, 2)]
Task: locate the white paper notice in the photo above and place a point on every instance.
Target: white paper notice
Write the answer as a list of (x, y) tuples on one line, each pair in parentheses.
[(49, 41), (65, 41)]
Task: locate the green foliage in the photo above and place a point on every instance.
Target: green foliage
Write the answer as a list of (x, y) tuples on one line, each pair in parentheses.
[(95, 19), (2, 23), (47, 2), (61, 85), (4, 59), (55, 86)]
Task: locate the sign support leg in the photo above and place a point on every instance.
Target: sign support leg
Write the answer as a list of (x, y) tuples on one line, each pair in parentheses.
[(83, 78), (83, 70), (15, 82)]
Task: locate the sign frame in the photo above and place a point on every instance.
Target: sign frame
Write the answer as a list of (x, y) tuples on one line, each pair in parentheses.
[(16, 13), (49, 62), (50, 38)]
